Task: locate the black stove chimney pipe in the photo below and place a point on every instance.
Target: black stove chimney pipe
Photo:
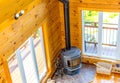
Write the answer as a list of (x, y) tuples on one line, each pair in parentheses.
[(67, 23)]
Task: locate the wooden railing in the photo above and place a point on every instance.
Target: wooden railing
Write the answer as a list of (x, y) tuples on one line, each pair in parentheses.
[(109, 33)]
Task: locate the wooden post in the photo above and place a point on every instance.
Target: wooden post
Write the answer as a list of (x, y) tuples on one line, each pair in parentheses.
[(7, 72)]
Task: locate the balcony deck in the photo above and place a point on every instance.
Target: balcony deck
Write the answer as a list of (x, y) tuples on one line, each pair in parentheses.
[(109, 39), (107, 52)]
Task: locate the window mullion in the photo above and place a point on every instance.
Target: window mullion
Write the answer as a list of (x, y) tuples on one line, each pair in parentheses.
[(20, 64), (100, 26), (118, 38), (34, 58), (83, 33)]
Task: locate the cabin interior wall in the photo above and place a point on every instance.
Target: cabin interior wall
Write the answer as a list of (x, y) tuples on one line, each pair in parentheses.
[(14, 32), (48, 13), (76, 7)]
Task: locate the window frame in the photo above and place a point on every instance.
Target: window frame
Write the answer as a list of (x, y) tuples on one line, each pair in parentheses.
[(32, 49)]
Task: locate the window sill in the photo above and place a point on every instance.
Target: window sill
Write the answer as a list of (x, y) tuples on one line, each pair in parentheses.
[(95, 59)]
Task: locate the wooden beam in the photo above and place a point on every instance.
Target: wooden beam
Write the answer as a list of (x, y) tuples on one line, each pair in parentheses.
[(96, 6), (114, 2)]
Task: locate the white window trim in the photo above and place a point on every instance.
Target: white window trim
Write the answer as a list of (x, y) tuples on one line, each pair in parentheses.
[(20, 61), (20, 64), (118, 39), (100, 30), (83, 32), (34, 58), (100, 26)]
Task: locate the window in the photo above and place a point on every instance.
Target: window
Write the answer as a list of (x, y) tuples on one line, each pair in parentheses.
[(14, 69), (40, 53), (28, 63), (101, 34)]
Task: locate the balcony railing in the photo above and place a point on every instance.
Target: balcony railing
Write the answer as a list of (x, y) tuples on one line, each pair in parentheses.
[(109, 36)]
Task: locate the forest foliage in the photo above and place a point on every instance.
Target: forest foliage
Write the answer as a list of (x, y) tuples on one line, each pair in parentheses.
[(108, 17)]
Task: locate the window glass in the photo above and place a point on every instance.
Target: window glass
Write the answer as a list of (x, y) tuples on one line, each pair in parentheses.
[(39, 50), (28, 62), (100, 33), (90, 31), (14, 69)]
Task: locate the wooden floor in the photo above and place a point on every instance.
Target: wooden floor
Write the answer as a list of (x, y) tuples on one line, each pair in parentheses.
[(107, 52), (88, 75)]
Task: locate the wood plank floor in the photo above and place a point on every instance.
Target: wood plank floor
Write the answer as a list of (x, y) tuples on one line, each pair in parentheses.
[(88, 75)]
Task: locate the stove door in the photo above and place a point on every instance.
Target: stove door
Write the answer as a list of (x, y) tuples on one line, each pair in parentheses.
[(74, 62)]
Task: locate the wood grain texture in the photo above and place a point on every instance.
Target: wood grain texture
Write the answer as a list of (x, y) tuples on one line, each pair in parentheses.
[(10, 8), (75, 25), (15, 32), (99, 5), (76, 7), (91, 60), (49, 13), (8, 20), (114, 2)]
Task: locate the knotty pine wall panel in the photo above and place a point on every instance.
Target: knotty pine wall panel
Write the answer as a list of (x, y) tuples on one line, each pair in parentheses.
[(74, 27), (15, 32), (99, 5), (114, 2), (10, 8), (76, 17)]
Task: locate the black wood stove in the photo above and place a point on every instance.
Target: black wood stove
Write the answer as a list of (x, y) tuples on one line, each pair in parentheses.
[(71, 56)]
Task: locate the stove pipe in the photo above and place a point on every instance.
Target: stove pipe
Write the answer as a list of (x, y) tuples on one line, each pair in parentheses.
[(67, 23)]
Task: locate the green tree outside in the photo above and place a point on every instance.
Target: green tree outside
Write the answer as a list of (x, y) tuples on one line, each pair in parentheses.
[(92, 16)]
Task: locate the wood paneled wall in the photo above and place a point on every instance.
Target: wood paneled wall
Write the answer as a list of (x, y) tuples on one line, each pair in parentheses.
[(48, 13), (14, 32), (76, 19), (9, 9), (75, 24)]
